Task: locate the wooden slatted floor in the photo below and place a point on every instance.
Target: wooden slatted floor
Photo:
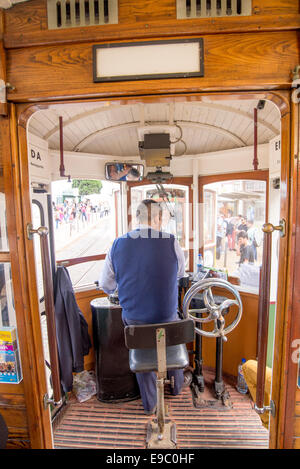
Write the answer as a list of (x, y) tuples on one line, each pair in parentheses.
[(96, 425)]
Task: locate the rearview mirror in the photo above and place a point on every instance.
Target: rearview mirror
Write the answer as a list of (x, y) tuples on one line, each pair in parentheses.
[(124, 172)]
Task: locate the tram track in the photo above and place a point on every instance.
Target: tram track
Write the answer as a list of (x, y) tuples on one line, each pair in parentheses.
[(95, 240)]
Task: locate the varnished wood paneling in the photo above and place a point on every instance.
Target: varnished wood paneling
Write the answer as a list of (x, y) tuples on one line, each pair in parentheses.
[(153, 30), (13, 405), (296, 444), (3, 106), (18, 441), (277, 7), (26, 24), (248, 61), (242, 341), (12, 396), (297, 425), (283, 304), (83, 300), (31, 18), (145, 11), (27, 307), (13, 410), (15, 418), (292, 409), (28, 18)]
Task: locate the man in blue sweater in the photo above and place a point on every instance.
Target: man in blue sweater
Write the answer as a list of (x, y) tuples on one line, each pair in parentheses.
[(144, 266)]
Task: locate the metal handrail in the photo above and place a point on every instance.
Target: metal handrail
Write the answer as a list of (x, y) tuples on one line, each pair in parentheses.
[(263, 321), (42, 231), (80, 260)]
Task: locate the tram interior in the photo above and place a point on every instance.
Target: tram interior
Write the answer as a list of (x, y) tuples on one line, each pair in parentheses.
[(210, 191)]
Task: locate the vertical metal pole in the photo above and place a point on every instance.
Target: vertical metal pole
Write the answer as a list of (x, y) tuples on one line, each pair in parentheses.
[(219, 385), (263, 319), (51, 235), (161, 374), (255, 159), (50, 315), (196, 214), (61, 147), (198, 372)]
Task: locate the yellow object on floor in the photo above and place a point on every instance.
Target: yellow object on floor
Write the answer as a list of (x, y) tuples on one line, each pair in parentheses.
[(250, 375)]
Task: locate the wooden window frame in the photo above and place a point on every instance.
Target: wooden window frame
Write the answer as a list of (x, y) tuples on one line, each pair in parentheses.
[(211, 241), (259, 175)]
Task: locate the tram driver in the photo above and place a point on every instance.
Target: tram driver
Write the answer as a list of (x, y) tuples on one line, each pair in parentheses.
[(144, 265)]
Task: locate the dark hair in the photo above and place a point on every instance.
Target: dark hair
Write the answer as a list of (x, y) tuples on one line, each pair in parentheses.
[(134, 172), (242, 234), (147, 209)]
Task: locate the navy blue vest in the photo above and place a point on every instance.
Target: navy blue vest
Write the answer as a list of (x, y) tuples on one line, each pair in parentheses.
[(145, 264)]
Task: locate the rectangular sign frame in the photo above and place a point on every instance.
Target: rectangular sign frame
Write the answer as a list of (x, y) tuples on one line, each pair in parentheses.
[(99, 49)]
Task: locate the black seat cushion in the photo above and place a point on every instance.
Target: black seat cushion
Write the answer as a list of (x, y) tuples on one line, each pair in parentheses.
[(143, 360)]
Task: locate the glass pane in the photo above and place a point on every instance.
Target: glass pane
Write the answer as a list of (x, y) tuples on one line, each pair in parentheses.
[(37, 222), (209, 223), (86, 274), (84, 225), (175, 203), (3, 225), (234, 212), (7, 309)]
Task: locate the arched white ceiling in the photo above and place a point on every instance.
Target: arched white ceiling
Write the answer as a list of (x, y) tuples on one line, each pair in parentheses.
[(112, 129)]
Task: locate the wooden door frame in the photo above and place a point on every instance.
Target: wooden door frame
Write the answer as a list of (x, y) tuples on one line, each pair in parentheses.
[(23, 214), (26, 299), (290, 409)]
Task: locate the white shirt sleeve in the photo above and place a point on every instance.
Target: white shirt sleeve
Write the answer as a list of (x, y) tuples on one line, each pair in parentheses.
[(180, 258), (107, 280)]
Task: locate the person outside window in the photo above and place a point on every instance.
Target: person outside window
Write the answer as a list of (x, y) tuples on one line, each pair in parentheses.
[(230, 230), (220, 234), (254, 237), (245, 249)]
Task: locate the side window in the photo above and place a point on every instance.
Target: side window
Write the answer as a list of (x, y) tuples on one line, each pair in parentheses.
[(234, 212), (3, 227), (86, 219), (7, 307)]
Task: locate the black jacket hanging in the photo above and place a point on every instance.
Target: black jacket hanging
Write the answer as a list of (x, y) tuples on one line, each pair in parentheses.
[(73, 341)]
